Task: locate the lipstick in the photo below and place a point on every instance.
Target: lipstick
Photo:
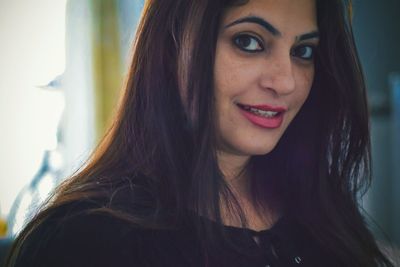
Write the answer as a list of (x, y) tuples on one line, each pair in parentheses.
[(264, 116)]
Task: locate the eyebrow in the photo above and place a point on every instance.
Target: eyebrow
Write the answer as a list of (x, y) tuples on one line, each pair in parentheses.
[(269, 27), (257, 20), (306, 36)]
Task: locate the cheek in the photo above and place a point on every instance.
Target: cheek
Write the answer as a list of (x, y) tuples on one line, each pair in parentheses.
[(233, 75), (305, 80), (227, 74)]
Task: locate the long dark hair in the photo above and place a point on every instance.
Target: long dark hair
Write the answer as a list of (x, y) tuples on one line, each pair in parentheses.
[(161, 145)]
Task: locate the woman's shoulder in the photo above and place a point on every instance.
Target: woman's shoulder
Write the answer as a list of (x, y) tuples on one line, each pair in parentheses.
[(82, 234), (76, 235)]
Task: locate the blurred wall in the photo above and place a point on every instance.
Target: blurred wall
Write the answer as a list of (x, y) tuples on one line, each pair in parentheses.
[(377, 32)]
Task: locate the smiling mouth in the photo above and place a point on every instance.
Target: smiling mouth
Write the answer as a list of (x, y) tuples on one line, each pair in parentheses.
[(262, 111)]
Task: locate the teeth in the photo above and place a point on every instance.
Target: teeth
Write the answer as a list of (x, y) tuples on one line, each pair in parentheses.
[(268, 114), (263, 112)]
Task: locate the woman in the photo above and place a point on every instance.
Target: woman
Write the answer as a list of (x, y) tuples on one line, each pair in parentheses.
[(241, 140)]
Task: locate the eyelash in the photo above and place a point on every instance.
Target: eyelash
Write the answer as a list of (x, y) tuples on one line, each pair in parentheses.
[(237, 38), (308, 58)]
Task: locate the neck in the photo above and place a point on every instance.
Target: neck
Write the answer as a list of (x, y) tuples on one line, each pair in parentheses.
[(234, 169), (238, 177)]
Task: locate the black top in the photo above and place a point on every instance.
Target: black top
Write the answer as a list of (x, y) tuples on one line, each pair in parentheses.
[(76, 237)]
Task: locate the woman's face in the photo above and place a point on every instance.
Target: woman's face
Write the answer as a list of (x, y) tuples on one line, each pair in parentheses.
[(263, 70)]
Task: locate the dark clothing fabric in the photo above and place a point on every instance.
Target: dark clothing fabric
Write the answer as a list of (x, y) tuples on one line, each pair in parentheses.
[(74, 236)]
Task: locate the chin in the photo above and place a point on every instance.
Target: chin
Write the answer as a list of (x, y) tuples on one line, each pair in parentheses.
[(262, 151), (256, 149), (250, 144)]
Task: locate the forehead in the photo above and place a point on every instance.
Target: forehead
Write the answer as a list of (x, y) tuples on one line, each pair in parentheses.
[(288, 16)]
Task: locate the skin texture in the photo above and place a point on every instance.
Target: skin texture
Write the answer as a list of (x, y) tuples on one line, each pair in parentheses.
[(277, 74)]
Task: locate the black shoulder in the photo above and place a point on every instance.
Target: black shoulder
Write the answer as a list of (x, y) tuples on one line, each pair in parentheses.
[(83, 238)]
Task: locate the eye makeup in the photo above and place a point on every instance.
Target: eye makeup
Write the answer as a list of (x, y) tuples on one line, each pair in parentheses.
[(304, 51), (248, 42)]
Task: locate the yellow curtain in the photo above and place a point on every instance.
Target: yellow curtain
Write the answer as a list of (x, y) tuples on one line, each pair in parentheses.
[(107, 70)]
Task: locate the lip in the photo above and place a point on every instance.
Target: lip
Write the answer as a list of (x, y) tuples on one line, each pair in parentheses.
[(264, 122)]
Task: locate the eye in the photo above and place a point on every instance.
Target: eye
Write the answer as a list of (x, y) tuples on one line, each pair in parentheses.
[(248, 43), (305, 52)]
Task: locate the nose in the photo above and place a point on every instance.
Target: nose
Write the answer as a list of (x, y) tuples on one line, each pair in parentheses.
[(278, 74)]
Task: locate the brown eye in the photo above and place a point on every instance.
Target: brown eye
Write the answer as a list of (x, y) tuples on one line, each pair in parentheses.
[(248, 43), (305, 52)]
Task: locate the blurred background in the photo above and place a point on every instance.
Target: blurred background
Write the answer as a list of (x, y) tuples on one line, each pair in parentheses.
[(62, 64)]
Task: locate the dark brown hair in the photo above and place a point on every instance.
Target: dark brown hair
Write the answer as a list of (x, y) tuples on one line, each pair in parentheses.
[(163, 151)]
